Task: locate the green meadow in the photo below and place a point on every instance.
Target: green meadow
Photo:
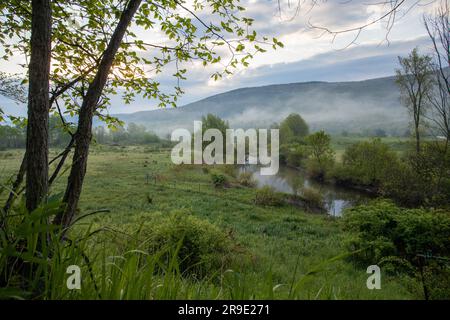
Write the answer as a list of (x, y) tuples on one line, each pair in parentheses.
[(277, 252)]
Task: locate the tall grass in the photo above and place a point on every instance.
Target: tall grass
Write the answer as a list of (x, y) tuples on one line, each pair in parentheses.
[(34, 262)]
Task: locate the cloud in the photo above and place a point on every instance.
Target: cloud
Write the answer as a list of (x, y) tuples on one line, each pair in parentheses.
[(304, 58)]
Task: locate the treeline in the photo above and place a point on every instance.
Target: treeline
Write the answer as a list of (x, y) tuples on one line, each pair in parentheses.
[(414, 178), (14, 136), (133, 134)]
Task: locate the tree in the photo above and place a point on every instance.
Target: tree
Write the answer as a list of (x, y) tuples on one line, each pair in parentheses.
[(415, 80), (36, 153), (293, 129), (211, 121), (438, 26), (96, 51), (366, 163), (321, 153), (99, 61)]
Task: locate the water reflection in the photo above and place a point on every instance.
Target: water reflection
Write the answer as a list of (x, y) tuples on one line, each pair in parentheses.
[(289, 180)]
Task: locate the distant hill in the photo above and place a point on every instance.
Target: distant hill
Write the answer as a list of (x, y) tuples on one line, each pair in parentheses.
[(360, 106)]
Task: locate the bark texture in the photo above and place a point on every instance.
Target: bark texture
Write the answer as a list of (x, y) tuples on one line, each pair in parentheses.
[(38, 105)]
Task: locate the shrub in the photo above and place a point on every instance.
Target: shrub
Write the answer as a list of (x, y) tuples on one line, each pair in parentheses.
[(366, 163), (205, 169), (293, 154), (313, 198), (219, 180), (246, 179), (203, 248), (421, 179), (391, 230), (229, 169), (267, 196), (385, 233)]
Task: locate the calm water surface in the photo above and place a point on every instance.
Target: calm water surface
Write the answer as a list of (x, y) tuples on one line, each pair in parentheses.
[(290, 180)]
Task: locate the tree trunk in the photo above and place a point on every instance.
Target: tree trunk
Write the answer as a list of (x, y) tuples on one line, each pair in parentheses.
[(417, 139), (38, 105), (84, 131)]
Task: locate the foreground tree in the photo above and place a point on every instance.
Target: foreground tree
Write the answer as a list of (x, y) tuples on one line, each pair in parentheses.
[(415, 80), (96, 51), (38, 104)]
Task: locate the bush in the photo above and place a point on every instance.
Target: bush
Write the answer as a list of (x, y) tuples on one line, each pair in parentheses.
[(219, 180), (385, 232), (391, 230), (229, 169), (421, 179), (313, 198), (267, 196), (203, 248), (366, 163), (246, 179), (293, 154)]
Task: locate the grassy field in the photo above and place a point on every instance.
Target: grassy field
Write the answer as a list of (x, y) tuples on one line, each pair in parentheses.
[(279, 244)]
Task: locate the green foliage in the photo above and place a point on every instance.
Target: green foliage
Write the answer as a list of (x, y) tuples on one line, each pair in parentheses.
[(366, 163), (284, 246), (211, 121), (293, 154), (134, 134), (422, 178), (293, 129), (80, 40), (218, 179), (202, 249), (267, 196), (33, 259), (393, 236), (321, 157), (313, 197), (15, 136), (246, 179)]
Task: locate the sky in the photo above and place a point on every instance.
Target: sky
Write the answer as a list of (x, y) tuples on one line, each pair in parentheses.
[(308, 54)]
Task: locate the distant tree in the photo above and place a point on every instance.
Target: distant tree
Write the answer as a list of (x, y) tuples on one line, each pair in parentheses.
[(321, 153), (100, 135), (211, 121), (135, 133), (380, 133), (415, 80), (58, 131), (293, 129), (12, 137)]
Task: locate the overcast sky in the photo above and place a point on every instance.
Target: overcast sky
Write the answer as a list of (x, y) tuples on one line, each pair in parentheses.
[(305, 56)]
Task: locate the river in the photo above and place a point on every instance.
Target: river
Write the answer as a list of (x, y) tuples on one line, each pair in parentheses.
[(289, 180)]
